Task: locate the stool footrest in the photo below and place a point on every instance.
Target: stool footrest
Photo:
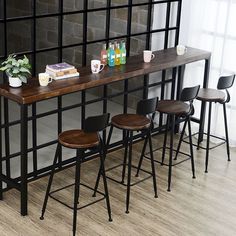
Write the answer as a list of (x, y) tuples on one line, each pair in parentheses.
[(81, 207), (211, 135), (132, 184), (164, 164)]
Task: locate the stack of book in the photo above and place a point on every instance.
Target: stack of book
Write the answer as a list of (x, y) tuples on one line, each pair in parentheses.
[(61, 71)]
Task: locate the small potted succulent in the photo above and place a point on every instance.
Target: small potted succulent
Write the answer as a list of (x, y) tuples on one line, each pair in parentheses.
[(17, 70)]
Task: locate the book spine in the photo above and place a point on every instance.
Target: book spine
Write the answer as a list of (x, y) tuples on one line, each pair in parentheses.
[(50, 67), (61, 73), (67, 76)]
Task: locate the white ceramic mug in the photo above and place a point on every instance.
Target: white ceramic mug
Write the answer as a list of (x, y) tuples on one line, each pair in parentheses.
[(148, 55), (44, 79), (96, 66), (181, 50)]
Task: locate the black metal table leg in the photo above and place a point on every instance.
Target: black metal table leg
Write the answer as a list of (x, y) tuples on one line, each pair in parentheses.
[(180, 81), (24, 159), (83, 110), (1, 195), (203, 106), (181, 70), (7, 137), (59, 126), (145, 86), (34, 139), (173, 85)]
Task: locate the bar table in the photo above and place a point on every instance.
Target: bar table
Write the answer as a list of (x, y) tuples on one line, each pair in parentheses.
[(31, 93)]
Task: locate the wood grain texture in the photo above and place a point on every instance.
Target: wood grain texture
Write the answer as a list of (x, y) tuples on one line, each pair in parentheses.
[(135, 66), (173, 107), (211, 95), (205, 206), (131, 121), (78, 139)]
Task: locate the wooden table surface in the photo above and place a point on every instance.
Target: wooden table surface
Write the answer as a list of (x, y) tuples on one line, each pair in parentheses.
[(164, 59)]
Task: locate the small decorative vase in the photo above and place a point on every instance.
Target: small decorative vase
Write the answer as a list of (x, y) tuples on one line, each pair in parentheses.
[(14, 82)]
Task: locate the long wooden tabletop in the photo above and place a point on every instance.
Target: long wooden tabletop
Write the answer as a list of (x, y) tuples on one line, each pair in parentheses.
[(164, 59)]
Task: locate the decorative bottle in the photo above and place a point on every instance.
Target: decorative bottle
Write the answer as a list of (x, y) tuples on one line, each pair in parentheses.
[(117, 54), (111, 55), (123, 53), (108, 53), (104, 54)]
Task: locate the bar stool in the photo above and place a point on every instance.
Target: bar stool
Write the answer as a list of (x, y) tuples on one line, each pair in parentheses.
[(216, 95), (177, 112), (81, 140), (141, 121)]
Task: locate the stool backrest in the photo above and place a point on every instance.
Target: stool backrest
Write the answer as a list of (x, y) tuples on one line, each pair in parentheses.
[(147, 106), (96, 123), (225, 82), (189, 94)]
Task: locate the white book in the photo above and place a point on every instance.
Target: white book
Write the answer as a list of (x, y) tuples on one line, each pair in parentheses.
[(64, 76)]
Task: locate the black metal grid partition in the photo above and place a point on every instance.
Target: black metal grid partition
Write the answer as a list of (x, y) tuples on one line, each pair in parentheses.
[(61, 41), (30, 18)]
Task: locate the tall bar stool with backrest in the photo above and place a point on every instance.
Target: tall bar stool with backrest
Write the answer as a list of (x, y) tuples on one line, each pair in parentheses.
[(216, 95), (81, 140), (178, 111), (141, 121)]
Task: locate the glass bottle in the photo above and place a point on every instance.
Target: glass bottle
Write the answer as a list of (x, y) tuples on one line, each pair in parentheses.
[(123, 53), (108, 53), (111, 55), (104, 54), (117, 54)]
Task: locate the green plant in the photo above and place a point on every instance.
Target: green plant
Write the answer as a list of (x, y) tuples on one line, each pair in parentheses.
[(17, 67)]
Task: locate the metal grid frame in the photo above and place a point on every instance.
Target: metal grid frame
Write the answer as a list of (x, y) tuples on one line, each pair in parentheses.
[(61, 13), (37, 173)]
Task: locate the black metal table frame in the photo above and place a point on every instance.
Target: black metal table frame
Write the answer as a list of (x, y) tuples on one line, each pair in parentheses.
[(21, 183)]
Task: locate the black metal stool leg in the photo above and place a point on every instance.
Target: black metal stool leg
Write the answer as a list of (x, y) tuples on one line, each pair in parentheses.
[(142, 155), (50, 181), (109, 135), (1, 194), (129, 172), (125, 155), (103, 173), (99, 172), (79, 157), (165, 139), (201, 125), (226, 132), (152, 165), (208, 137), (171, 150), (191, 147), (180, 140)]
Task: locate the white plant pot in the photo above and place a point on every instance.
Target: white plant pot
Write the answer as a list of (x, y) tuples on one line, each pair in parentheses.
[(14, 82)]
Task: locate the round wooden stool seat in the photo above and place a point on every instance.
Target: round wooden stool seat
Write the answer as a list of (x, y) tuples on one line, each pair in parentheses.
[(173, 107), (78, 139), (211, 95), (131, 121)]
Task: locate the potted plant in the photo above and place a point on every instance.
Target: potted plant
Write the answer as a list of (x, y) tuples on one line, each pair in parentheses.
[(17, 70)]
